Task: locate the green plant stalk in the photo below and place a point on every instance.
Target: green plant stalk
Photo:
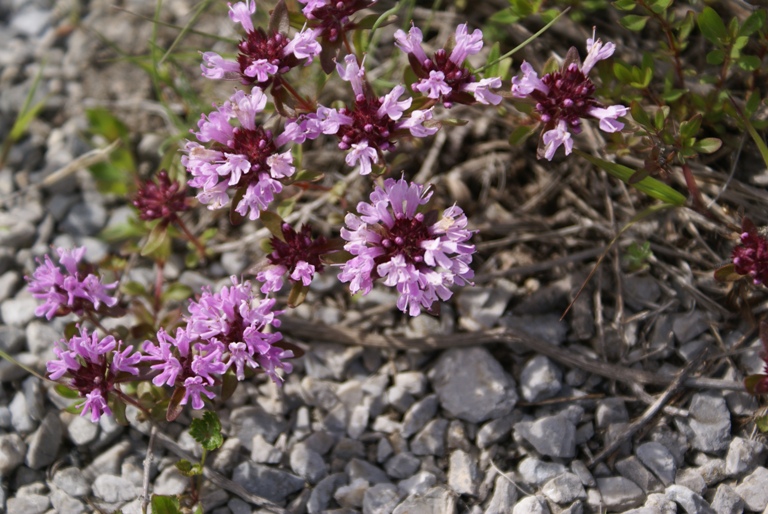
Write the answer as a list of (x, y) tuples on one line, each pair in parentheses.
[(25, 116), (523, 44)]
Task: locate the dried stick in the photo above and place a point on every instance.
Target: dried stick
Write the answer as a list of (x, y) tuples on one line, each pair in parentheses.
[(310, 331), (147, 466), (650, 412)]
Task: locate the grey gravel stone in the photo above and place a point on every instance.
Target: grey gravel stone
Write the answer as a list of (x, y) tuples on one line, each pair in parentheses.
[(744, 455), (553, 436), (384, 450), (631, 468), (323, 492), (414, 382), (347, 449), (438, 500), (41, 338), (472, 385), (20, 417), (85, 219), (495, 430), (504, 496), (691, 478), (535, 472), (19, 310), (65, 504), (659, 460), (610, 411), (10, 371), (8, 284), (709, 423), (72, 482), (712, 471), (419, 414), (11, 339), (531, 505), (357, 468), (12, 452), (418, 484), (81, 431), (727, 501), (402, 465), (463, 474), (263, 452), (540, 379), (272, 484), (754, 489), (358, 421), (691, 502), (351, 496), (689, 325), (44, 444), (28, 504), (252, 420), (546, 327), (170, 482), (582, 471), (113, 489), (431, 439), (619, 493), (380, 499), (399, 398), (565, 488), (308, 464)]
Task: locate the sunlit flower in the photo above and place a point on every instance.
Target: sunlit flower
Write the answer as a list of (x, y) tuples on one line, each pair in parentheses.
[(564, 97), (419, 254)]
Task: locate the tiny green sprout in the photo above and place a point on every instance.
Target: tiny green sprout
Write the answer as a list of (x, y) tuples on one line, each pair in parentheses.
[(637, 256)]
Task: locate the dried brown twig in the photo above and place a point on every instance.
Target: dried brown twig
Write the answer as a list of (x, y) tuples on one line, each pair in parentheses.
[(309, 332)]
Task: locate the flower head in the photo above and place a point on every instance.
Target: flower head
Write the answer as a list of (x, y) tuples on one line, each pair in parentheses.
[(418, 254), (71, 289), (564, 97), (331, 18), (298, 254), (244, 157), (264, 56), (750, 258), (91, 365), (444, 77), (371, 125), (161, 199)]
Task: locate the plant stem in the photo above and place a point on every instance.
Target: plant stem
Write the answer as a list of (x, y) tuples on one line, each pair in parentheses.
[(190, 237)]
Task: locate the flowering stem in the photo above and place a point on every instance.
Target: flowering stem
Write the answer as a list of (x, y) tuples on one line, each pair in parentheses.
[(693, 188), (305, 104), (157, 304), (190, 237)]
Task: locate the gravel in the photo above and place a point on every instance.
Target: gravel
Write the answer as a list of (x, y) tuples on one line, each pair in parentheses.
[(482, 429)]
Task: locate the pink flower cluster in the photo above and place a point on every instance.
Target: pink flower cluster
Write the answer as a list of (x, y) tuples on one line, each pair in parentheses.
[(444, 76), (224, 330), (368, 128), (564, 97), (297, 254), (93, 365), (750, 258), (419, 254), (244, 157), (263, 56), (69, 289)]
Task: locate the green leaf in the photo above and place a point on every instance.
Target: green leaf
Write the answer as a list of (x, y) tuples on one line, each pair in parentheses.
[(753, 23), (712, 26), (285, 208), (659, 6), (174, 406), (757, 138), (624, 5), (649, 185), (622, 73), (727, 273), (708, 145), (188, 469), (66, 392), (659, 119), (716, 57), (749, 62), (520, 134), (634, 22), (639, 114), (762, 423), (274, 223), (157, 238), (493, 56), (165, 504), (753, 102), (297, 295), (690, 128), (176, 292), (133, 288), (207, 431)]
